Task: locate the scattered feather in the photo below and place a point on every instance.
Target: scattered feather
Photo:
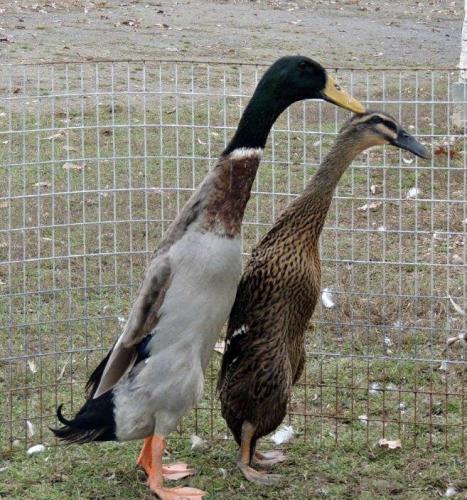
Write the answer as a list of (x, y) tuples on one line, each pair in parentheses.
[(326, 298), (73, 166), (58, 135), (283, 435), (220, 347), (387, 341), (390, 444), (2, 469), (37, 448), (31, 429), (121, 321), (372, 206), (32, 366), (201, 142), (62, 371), (363, 419), (197, 442), (375, 388), (407, 160), (402, 407), (457, 307), (457, 259), (317, 143), (381, 229), (222, 472), (42, 184), (375, 189), (444, 366), (413, 193), (462, 337), (439, 236), (450, 491)]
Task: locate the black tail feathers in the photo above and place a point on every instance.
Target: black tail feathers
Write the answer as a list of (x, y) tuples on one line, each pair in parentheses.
[(95, 378), (94, 422)]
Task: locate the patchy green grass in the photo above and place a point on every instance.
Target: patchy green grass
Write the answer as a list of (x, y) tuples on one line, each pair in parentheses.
[(311, 471), (74, 243)]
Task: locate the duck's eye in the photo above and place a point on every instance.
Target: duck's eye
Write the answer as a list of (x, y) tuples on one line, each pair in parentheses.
[(302, 64)]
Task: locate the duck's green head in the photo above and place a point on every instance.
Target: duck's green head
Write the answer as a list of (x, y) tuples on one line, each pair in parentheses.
[(289, 79), (294, 78)]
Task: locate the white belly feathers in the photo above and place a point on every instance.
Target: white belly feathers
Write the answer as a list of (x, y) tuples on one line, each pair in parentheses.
[(206, 269)]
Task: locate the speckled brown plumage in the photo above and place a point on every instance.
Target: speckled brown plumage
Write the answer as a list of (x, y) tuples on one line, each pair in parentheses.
[(277, 295)]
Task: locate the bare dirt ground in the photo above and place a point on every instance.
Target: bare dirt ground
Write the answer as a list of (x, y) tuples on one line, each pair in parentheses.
[(341, 32)]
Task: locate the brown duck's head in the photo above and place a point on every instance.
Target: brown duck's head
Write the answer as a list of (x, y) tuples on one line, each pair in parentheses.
[(375, 127)]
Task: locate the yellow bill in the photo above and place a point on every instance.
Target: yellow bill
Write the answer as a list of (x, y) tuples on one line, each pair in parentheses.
[(333, 93)]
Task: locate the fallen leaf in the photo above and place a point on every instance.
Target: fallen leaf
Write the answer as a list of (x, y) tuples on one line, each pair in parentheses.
[(370, 206), (283, 435), (390, 444)]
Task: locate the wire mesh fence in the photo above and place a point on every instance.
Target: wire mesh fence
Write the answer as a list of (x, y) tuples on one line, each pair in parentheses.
[(98, 158)]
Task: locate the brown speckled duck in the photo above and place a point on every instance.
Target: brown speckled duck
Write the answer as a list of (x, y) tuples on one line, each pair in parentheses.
[(265, 353), (155, 371)]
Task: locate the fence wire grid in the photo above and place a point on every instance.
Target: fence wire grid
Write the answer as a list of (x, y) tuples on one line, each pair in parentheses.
[(98, 158)]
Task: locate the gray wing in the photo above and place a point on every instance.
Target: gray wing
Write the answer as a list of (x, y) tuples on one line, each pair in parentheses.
[(141, 321)]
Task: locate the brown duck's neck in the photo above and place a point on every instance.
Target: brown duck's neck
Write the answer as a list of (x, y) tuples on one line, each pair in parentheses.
[(230, 187), (313, 205)]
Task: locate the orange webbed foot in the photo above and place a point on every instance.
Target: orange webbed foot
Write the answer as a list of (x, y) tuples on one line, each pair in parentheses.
[(183, 493), (173, 472)]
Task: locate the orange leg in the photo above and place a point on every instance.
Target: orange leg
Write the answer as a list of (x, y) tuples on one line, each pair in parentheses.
[(243, 462), (170, 472), (156, 473), (268, 458)]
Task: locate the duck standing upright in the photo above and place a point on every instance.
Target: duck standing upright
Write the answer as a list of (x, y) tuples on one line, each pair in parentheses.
[(155, 371), (265, 352)]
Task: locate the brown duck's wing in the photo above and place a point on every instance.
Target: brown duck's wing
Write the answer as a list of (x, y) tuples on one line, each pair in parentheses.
[(141, 321)]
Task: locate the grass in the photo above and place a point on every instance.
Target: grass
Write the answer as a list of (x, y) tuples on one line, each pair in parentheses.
[(311, 471), (70, 264)]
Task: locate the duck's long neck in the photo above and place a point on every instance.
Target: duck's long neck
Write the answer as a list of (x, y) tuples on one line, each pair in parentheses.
[(231, 181), (313, 205), (256, 122)]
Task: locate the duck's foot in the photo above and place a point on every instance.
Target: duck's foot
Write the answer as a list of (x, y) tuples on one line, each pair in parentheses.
[(173, 472), (177, 493), (268, 458), (258, 477)]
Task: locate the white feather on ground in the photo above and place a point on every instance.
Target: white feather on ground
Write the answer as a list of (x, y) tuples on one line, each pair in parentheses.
[(457, 307), (413, 193), (197, 442), (31, 429), (284, 434), (37, 448), (327, 299)]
